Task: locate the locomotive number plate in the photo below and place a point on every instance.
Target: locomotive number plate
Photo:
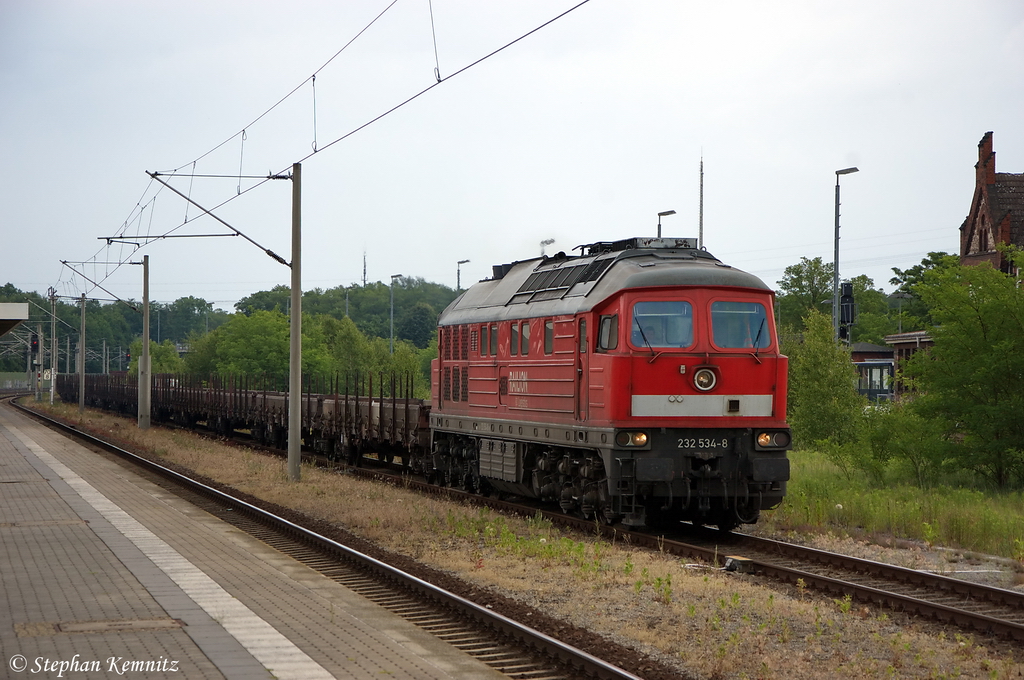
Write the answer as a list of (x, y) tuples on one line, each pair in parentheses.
[(704, 443)]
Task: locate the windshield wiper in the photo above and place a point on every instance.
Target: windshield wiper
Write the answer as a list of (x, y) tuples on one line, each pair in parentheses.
[(654, 355), (757, 340)]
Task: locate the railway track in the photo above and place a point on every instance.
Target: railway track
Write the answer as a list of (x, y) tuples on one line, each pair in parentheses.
[(977, 607), (508, 646), (972, 606)]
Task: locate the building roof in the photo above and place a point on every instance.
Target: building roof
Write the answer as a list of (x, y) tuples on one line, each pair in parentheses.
[(913, 337), (1009, 199), (868, 347)]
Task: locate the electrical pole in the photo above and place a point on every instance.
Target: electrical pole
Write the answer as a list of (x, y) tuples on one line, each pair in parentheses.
[(81, 362), (145, 377), (53, 341), (38, 359), (295, 344), (700, 238)]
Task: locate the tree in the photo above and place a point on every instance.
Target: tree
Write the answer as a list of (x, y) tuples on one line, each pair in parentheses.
[(253, 345), (823, 402), (187, 315), (914, 311), (970, 380), (874, 321), (163, 357), (804, 287), (277, 298), (417, 324)]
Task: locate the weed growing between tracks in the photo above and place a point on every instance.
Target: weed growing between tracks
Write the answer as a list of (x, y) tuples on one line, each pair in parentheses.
[(706, 621)]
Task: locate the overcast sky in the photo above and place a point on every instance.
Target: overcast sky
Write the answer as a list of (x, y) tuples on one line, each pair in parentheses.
[(581, 132)]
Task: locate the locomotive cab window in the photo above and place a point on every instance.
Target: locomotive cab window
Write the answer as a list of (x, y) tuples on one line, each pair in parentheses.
[(608, 333), (662, 323), (513, 339), (494, 340), (549, 336), (739, 325), (524, 337)]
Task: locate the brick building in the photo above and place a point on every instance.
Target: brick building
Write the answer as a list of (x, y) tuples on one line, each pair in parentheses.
[(997, 211)]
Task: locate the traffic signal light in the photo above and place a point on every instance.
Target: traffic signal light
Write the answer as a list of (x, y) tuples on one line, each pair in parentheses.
[(128, 356), (847, 307), (35, 343)]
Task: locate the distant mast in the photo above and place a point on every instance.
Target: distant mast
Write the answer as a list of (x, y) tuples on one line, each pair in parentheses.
[(700, 221), (364, 268)]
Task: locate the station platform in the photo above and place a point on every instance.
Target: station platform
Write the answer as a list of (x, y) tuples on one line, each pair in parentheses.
[(103, 574)]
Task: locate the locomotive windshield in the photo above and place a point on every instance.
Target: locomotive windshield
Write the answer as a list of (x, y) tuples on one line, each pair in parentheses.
[(737, 325), (662, 323)]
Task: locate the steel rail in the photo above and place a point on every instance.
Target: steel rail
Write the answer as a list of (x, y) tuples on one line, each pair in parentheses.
[(575, 658), (953, 586), (735, 547)]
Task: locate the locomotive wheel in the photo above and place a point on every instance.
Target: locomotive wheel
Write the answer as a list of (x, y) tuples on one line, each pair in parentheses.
[(601, 512), (727, 525)]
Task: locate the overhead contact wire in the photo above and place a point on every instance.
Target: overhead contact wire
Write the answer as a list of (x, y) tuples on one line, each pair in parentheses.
[(446, 78), (297, 87), (240, 192)]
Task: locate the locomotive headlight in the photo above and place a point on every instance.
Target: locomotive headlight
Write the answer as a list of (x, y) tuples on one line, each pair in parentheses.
[(773, 440), (631, 438), (704, 379)]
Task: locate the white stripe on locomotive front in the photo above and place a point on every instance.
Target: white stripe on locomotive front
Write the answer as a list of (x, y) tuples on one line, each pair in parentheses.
[(701, 405)]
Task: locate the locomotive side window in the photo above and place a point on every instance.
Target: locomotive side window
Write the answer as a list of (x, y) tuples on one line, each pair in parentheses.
[(739, 325), (483, 340), (513, 340), (494, 340), (608, 333), (662, 323), (525, 339), (549, 336), (583, 336)]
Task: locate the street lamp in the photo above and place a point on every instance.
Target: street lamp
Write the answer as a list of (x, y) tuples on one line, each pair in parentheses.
[(544, 244), (835, 261), (663, 214), (900, 297), (393, 277), (458, 275)]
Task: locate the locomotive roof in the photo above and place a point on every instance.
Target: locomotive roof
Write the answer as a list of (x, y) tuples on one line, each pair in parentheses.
[(564, 284)]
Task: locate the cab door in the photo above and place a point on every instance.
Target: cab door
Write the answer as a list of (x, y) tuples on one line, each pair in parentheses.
[(582, 370)]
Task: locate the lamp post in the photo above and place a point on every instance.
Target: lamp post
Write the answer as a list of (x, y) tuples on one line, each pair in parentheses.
[(393, 277), (458, 275), (663, 214), (900, 297), (835, 261)]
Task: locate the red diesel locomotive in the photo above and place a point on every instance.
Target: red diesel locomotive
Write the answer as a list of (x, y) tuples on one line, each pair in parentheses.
[(640, 382)]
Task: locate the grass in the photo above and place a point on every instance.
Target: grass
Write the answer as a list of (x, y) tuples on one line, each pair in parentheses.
[(821, 497), (709, 622)]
